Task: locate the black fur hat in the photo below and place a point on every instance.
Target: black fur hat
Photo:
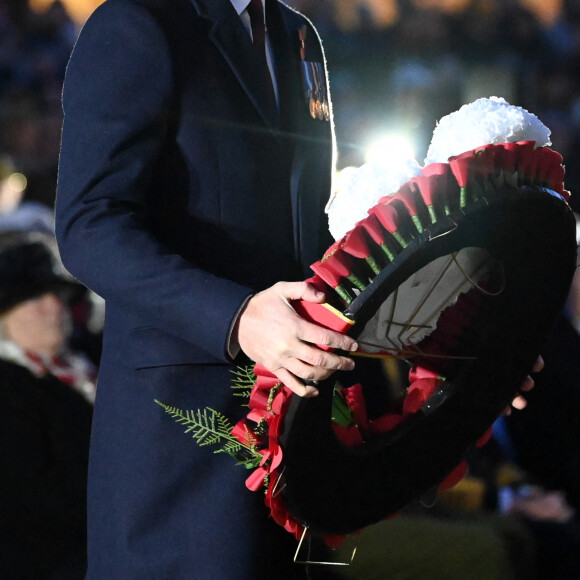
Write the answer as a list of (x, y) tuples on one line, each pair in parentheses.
[(30, 267)]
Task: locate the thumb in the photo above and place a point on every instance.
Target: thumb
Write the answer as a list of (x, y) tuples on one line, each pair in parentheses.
[(303, 291)]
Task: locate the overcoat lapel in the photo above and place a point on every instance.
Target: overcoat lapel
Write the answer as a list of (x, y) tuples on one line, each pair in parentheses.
[(233, 41)]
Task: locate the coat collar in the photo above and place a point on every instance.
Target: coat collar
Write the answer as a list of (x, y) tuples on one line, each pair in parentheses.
[(231, 38)]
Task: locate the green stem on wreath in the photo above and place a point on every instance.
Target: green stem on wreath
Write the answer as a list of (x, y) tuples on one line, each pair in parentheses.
[(432, 214), (356, 281), (373, 265), (343, 294), (388, 252), (463, 197), (417, 223), (400, 239)]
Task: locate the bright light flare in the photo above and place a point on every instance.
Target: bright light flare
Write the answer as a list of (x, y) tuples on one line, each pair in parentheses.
[(16, 182), (391, 148)]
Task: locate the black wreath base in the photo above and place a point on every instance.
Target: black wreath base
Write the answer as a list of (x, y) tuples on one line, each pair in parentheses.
[(333, 489)]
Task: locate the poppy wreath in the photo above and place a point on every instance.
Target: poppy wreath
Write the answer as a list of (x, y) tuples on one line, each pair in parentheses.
[(325, 465)]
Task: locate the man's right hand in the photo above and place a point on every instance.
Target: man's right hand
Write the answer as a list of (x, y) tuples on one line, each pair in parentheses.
[(271, 333)]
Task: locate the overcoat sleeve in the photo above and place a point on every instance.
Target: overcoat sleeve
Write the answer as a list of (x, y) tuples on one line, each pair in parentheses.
[(117, 101)]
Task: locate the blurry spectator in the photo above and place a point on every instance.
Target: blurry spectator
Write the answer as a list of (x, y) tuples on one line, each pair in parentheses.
[(16, 213), (45, 416), (34, 50)]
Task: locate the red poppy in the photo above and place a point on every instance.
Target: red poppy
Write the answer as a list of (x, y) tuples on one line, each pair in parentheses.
[(275, 426), (348, 436), (257, 415), (244, 433), (461, 167), (259, 397), (336, 246), (262, 371), (255, 480), (334, 267), (418, 393), (388, 216), (508, 156), (385, 423), (483, 440), (439, 169), (273, 455), (318, 283), (407, 194), (356, 244), (339, 261), (355, 399), (419, 372), (280, 399), (550, 171), (280, 514), (489, 156), (431, 191), (454, 477), (555, 179), (374, 229), (324, 315), (525, 153), (483, 162), (265, 382)]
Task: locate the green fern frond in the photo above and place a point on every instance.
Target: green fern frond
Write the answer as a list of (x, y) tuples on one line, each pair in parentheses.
[(250, 462), (231, 448), (209, 427), (243, 381)]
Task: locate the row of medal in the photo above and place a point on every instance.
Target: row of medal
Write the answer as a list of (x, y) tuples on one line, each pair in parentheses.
[(315, 90)]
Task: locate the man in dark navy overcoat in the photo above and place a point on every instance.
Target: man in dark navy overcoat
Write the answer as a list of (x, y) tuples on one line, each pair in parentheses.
[(185, 194)]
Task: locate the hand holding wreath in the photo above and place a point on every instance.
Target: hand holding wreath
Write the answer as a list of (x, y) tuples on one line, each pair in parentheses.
[(271, 333)]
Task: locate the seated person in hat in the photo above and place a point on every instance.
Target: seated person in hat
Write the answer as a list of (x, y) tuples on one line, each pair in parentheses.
[(45, 415)]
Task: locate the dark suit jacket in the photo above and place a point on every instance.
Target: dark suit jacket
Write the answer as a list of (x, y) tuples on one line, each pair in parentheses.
[(179, 195)]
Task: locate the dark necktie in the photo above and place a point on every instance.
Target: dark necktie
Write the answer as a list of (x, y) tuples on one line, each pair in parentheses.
[(256, 12)]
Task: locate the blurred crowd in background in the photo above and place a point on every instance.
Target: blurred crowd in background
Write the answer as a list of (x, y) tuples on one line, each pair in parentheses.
[(403, 76), (391, 72), (34, 50)]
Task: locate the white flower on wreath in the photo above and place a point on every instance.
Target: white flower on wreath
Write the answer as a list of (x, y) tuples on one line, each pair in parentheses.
[(486, 121)]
